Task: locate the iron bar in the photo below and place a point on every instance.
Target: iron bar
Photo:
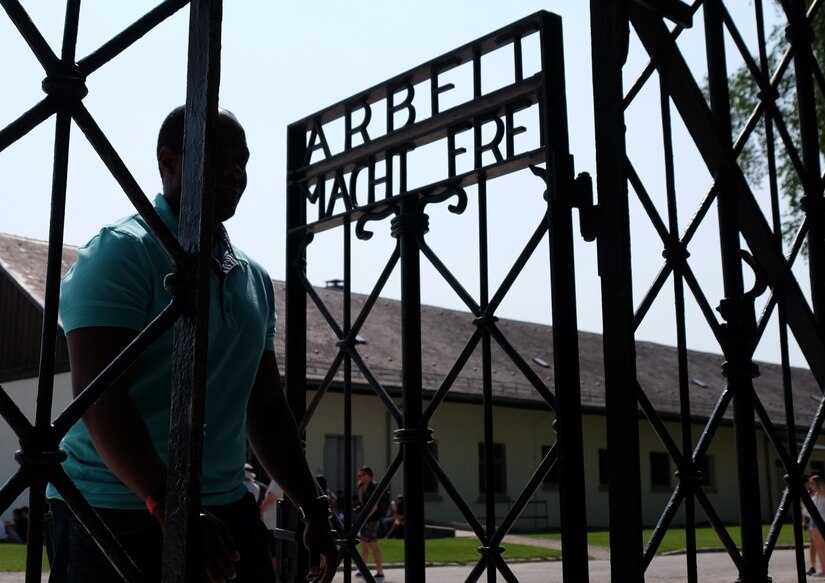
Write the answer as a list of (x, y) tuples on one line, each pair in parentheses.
[(16, 419), (13, 487), (455, 370), (129, 36), (741, 323), (490, 479), (472, 521), (130, 187), (547, 463), (609, 42), (658, 426), (101, 534), (526, 253), (713, 518), (321, 391), (32, 36), (49, 330), (376, 385), (526, 369), (406, 227), (34, 536), (453, 282), (663, 525), (800, 35), (361, 517), (27, 122), (183, 560), (687, 473), (115, 369), (790, 423), (692, 106)]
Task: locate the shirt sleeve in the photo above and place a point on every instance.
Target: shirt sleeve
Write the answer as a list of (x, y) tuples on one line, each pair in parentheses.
[(109, 285)]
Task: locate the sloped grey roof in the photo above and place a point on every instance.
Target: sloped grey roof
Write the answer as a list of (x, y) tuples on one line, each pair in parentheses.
[(446, 332), (25, 261)]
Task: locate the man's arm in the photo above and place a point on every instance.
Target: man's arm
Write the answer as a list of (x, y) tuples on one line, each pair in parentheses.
[(114, 422), (273, 435), (120, 436)]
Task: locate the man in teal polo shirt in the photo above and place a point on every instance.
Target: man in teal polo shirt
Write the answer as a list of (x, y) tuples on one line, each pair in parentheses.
[(117, 455)]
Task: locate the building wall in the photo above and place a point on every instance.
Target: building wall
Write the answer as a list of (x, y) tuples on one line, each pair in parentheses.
[(457, 431), (24, 393)]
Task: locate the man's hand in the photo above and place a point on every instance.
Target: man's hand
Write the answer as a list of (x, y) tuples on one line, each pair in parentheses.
[(323, 554), (218, 548)]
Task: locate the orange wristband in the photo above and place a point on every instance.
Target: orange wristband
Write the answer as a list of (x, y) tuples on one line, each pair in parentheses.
[(155, 499)]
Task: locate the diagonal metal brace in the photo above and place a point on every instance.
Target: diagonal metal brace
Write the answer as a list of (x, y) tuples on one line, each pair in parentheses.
[(674, 10)]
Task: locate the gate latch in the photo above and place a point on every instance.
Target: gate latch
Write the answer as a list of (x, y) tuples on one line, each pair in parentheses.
[(589, 214)]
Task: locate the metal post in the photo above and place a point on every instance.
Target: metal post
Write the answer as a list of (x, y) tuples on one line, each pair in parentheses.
[(800, 34), (405, 227), (609, 38), (294, 364), (740, 329), (182, 557), (560, 194)]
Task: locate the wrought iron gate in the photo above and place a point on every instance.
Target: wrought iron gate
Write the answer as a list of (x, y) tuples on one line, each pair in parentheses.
[(656, 29), (40, 455), (370, 175), (349, 168)]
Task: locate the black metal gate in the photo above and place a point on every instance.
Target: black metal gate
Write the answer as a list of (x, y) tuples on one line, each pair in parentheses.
[(774, 108), (372, 170), (365, 171)]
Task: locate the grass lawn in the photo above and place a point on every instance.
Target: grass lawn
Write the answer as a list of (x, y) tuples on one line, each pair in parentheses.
[(13, 558), (461, 550), (445, 550), (706, 537)]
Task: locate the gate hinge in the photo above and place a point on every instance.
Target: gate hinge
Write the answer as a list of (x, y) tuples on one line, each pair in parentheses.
[(589, 214)]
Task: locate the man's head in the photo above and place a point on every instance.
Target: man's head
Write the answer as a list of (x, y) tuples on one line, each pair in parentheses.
[(364, 475), (231, 156)]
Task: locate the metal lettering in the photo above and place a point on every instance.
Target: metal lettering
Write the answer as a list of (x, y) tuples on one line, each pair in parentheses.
[(350, 130), (317, 141), (493, 145), (392, 109), (435, 88)]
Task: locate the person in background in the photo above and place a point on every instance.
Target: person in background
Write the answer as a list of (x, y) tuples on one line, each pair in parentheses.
[(817, 488), (397, 528), (369, 532)]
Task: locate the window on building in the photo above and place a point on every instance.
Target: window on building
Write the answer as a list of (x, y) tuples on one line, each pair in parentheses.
[(430, 479), (554, 475), (499, 469), (604, 467), (659, 469)]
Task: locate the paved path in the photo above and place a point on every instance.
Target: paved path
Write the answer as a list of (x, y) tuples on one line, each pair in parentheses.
[(713, 568)]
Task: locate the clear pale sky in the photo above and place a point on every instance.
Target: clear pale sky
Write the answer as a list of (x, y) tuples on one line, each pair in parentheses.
[(282, 61)]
